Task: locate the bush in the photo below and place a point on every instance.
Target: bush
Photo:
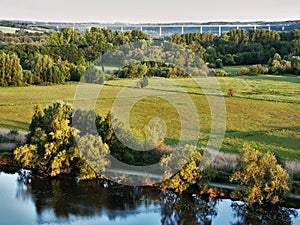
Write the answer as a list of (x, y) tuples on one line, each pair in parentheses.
[(221, 73), (258, 69), (243, 71), (254, 70), (141, 83), (93, 75), (230, 92), (219, 63)]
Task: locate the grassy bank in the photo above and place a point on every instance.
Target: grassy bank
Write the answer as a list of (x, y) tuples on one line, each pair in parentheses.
[(264, 110)]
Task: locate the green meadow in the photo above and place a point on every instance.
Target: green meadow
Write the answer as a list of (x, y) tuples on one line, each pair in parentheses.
[(264, 110)]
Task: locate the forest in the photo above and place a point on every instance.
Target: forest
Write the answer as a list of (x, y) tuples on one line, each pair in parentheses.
[(60, 57)]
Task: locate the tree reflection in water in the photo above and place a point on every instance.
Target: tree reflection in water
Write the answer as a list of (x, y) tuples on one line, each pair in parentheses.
[(186, 209), (262, 214), (66, 198)]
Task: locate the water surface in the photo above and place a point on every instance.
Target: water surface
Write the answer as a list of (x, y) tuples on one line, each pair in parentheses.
[(65, 201)]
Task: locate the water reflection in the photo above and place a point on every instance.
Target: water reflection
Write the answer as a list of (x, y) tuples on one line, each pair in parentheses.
[(268, 215), (66, 197), (65, 201), (187, 209)]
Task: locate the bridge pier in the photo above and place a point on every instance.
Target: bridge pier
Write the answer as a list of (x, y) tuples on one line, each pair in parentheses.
[(220, 30), (141, 28), (160, 31), (182, 30), (201, 30)]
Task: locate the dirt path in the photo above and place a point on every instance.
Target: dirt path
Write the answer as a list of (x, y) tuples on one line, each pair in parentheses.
[(8, 146)]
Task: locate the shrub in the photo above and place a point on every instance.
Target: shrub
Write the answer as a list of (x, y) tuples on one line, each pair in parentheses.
[(143, 82), (221, 73), (230, 92), (243, 71)]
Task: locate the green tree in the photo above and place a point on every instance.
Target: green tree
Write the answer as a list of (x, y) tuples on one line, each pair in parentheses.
[(296, 47), (137, 34), (94, 152), (11, 72), (143, 82), (261, 178), (94, 75), (41, 64), (295, 60)]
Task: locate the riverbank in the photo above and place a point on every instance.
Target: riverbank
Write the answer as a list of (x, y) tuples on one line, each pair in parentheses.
[(222, 163)]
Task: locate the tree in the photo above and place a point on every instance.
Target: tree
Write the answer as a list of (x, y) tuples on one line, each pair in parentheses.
[(296, 47), (261, 178), (52, 148), (95, 152), (41, 64), (11, 72), (94, 75), (189, 167), (143, 82), (295, 60), (137, 34), (76, 72), (107, 126)]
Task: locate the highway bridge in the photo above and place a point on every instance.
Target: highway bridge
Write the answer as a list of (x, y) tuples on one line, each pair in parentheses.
[(165, 30)]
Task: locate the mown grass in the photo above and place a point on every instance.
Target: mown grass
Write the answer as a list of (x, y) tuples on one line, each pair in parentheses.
[(9, 30), (263, 112), (12, 30)]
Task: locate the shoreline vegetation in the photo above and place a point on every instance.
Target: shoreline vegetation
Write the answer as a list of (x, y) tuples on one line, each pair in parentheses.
[(28, 156)]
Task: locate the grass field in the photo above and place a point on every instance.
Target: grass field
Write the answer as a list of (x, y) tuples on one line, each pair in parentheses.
[(233, 69), (12, 30), (8, 30), (263, 112)]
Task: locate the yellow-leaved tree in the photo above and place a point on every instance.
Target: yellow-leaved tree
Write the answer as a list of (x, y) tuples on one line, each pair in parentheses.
[(261, 178), (52, 146), (184, 167)]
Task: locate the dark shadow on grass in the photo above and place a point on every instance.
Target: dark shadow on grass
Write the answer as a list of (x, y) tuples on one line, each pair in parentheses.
[(18, 125), (167, 91), (282, 78), (264, 138)]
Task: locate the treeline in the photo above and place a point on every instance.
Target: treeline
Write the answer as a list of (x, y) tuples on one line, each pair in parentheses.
[(239, 47), (151, 68), (58, 57)]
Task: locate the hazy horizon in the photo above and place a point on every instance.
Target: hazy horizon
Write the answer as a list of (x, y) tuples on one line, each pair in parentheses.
[(133, 11)]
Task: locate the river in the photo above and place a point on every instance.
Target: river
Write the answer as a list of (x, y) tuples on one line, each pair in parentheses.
[(66, 201)]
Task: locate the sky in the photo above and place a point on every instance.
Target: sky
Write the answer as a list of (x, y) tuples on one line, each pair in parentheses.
[(141, 11)]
